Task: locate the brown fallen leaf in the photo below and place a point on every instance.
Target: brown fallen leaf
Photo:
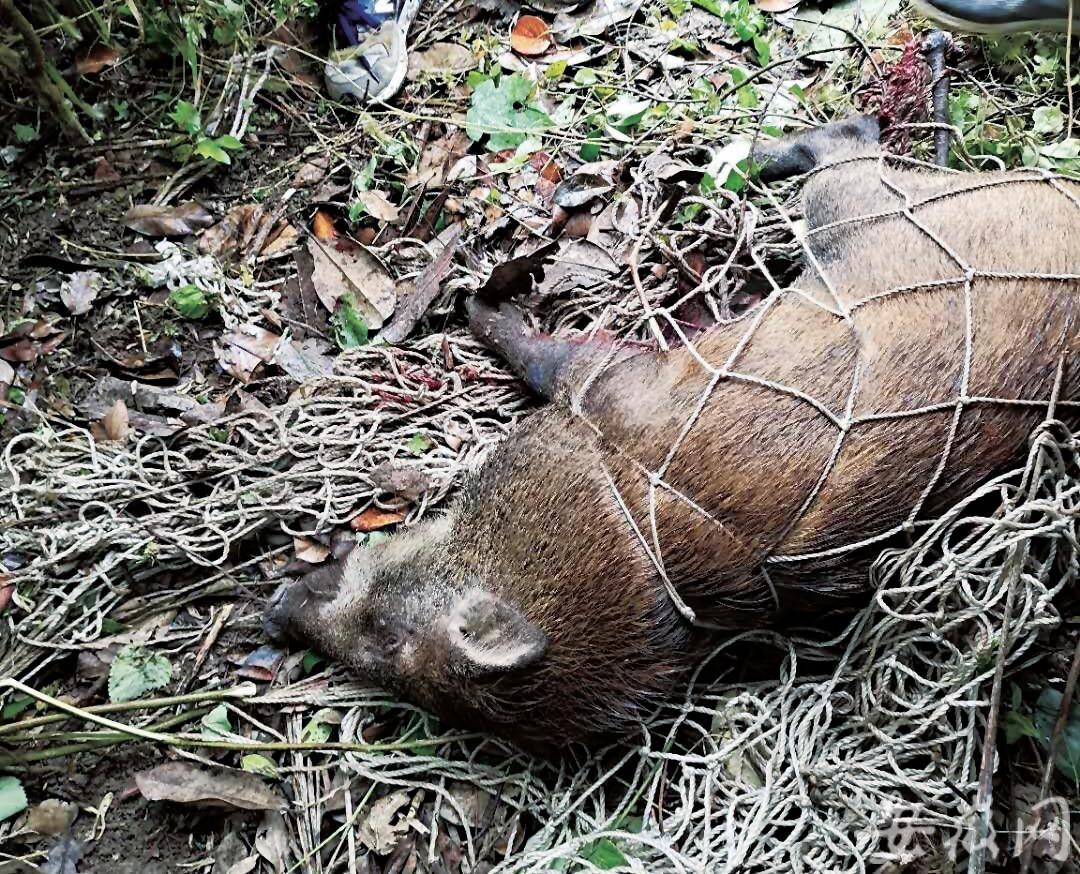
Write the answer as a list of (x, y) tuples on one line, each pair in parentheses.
[(241, 227), (378, 832), (374, 518), (114, 425), (530, 36), (311, 171), (401, 480), (105, 172), (272, 841), (51, 817), (304, 360), (442, 57), (516, 274), (80, 290), (378, 206), (323, 225), (310, 551), (578, 264), (168, 221), (96, 59), (245, 348), (7, 376), (344, 268), (438, 160), (186, 783), (415, 300)]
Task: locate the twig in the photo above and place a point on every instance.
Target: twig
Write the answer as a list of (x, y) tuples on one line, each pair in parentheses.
[(1010, 572), (204, 649), (1048, 768)]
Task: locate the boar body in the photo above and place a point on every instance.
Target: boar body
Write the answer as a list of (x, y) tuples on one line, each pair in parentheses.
[(754, 471)]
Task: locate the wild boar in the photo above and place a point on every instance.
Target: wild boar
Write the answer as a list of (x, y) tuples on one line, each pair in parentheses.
[(755, 470)]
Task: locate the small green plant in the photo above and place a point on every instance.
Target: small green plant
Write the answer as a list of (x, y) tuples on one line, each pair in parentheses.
[(187, 118)]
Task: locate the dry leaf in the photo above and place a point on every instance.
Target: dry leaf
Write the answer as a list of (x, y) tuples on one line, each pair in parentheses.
[(104, 171), (245, 349), (168, 221), (310, 551), (323, 225), (241, 227), (51, 817), (272, 840), (185, 783), (80, 290), (777, 5), (593, 19), (442, 57), (438, 160), (113, 426), (378, 206), (347, 268), (305, 360), (377, 832), (311, 172), (96, 60), (7, 376), (530, 36), (374, 518), (578, 264), (399, 479)]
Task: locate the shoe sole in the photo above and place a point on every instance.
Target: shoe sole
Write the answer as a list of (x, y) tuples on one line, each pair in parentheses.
[(400, 70), (954, 22)]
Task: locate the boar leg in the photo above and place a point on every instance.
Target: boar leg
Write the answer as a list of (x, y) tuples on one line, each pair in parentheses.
[(549, 365), (807, 150)]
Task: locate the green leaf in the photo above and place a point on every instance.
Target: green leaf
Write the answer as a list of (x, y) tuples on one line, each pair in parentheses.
[(603, 854), (25, 133), (503, 112), (1048, 120), (228, 141), (216, 723), (15, 706), (745, 93), (189, 301), (135, 671), (762, 49), (626, 112), (311, 661), (218, 435), (258, 764), (555, 71), (186, 117), (319, 729), (586, 76), (1018, 724), (419, 444), (1067, 758), (111, 626), (12, 797), (350, 330), (212, 150)]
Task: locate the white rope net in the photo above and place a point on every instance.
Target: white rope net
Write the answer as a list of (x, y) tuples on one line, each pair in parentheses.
[(857, 739)]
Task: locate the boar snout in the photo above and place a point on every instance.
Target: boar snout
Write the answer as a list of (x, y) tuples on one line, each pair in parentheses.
[(295, 603)]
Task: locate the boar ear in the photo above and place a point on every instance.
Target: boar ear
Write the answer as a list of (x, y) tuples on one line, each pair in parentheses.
[(488, 634)]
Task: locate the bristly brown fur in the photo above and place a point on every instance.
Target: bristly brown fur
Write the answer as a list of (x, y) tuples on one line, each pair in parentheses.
[(562, 624)]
